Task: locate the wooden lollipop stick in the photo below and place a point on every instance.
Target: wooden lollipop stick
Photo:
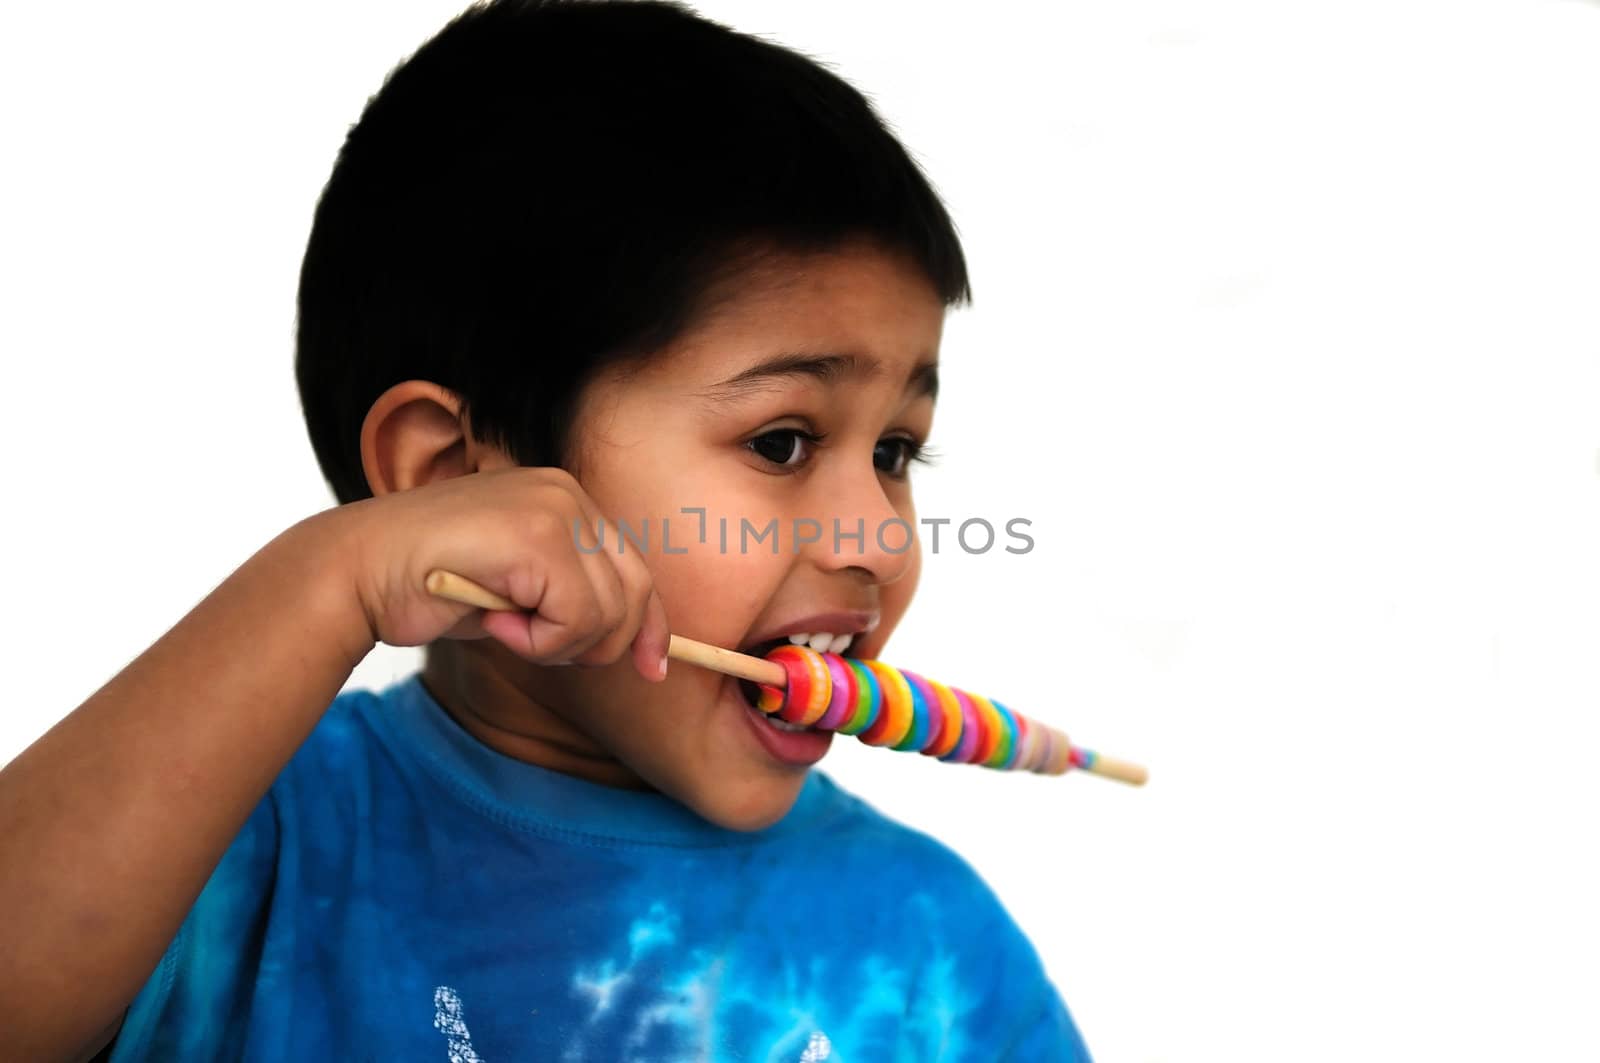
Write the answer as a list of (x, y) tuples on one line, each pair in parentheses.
[(1120, 770), (728, 662), (460, 589)]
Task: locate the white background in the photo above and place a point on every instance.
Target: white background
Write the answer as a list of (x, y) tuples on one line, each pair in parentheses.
[(1293, 306)]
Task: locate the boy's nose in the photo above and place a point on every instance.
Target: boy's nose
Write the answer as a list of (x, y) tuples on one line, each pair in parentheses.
[(861, 527)]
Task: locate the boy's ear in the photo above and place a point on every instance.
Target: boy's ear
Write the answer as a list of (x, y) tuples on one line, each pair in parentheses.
[(414, 434)]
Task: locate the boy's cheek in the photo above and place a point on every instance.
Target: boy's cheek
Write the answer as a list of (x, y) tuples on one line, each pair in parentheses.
[(711, 597), (895, 598)]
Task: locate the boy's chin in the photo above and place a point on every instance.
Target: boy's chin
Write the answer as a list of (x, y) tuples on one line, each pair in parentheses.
[(750, 808)]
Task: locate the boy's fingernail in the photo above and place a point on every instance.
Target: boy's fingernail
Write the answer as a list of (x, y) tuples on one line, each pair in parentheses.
[(661, 669)]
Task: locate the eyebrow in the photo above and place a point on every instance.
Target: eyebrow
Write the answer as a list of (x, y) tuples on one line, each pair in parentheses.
[(827, 368)]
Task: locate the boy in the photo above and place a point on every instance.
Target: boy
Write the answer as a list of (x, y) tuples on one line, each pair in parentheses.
[(577, 262)]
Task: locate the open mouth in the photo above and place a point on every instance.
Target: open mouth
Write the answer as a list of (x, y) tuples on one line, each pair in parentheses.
[(822, 642)]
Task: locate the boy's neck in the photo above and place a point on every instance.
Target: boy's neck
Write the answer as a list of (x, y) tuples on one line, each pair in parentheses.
[(476, 682)]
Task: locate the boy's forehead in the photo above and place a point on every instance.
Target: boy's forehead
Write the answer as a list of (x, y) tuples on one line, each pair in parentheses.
[(858, 268), (833, 368), (863, 301)]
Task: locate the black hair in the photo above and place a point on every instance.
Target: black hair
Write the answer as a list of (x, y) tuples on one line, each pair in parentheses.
[(547, 187)]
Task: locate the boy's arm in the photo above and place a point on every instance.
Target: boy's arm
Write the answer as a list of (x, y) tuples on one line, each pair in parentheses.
[(111, 823)]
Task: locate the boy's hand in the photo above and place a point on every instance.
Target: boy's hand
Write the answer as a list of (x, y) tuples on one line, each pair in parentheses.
[(515, 531), (128, 803)]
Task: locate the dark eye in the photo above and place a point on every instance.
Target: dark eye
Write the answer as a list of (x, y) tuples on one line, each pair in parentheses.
[(892, 456), (784, 446)]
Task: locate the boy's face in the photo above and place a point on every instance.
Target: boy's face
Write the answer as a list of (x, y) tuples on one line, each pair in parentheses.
[(717, 423)]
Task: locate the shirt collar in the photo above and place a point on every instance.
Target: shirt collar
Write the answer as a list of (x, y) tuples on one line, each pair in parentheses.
[(531, 797)]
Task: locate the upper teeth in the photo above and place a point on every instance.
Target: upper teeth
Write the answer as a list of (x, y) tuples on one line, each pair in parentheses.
[(823, 641)]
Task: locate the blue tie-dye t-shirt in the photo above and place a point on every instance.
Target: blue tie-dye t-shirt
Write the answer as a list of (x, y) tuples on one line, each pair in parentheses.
[(403, 892)]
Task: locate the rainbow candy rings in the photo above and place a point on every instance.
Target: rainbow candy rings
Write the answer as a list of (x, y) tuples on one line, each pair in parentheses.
[(884, 706)]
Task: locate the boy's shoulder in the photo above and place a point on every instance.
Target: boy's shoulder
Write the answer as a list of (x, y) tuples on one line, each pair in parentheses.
[(335, 758), (906, 886), (906, 858), (855, 822)]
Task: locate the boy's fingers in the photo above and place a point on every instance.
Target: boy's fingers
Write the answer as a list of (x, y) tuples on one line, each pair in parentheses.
[(619, 628), (568, 639), (509, 628), (592, 520), (616, 616), (624, 582), (590, 611), (568, 617), (467, 628), (650, 645), (611, 590)]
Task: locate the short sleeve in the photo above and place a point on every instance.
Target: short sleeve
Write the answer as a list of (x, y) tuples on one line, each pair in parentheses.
[(202, 986)]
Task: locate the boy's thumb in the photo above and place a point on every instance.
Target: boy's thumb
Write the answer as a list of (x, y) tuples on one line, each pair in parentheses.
[(650, 644)]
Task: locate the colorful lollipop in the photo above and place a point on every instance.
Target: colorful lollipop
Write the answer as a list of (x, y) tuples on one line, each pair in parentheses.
[(880, 705), (901, 710)]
